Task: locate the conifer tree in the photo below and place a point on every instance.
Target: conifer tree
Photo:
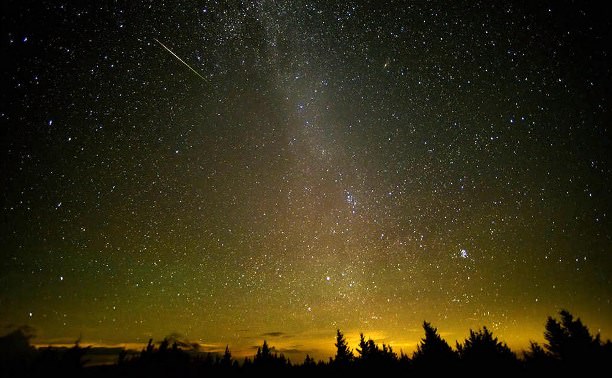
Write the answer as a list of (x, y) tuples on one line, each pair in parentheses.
[(344, 355)]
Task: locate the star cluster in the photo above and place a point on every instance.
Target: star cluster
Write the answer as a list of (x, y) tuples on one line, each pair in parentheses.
[(352, 165)]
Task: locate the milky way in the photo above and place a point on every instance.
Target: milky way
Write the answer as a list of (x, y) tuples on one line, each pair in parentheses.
[(349, 165)]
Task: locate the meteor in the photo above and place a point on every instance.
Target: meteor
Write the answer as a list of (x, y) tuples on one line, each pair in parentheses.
[(181, 60)]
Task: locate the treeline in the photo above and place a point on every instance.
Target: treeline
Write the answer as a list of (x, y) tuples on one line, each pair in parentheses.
[(569, 349)]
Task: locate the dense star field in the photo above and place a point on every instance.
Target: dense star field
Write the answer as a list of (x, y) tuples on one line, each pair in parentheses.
[(239, 171)]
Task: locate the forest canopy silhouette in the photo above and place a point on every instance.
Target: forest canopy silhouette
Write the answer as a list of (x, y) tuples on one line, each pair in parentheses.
[(569, 347)]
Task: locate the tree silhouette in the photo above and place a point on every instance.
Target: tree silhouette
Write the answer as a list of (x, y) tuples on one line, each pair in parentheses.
[(372, 357), (433, 353), (570, 342), (537, 360), (569, 348), (226, 361), (309, 361), (264, 359), (365, 347), (263, 356), (16, 353), (568, 339), (482, 350), (403, 361), (387, 355), (344, 355), (368, 351)]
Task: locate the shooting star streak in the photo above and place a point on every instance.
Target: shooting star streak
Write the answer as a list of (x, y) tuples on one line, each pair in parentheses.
[(181, 60)]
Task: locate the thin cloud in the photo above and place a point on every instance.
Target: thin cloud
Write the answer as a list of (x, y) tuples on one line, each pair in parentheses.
[(274, 334)]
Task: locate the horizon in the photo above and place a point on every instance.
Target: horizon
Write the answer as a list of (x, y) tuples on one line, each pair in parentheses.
[(245, 170), (323, 346)]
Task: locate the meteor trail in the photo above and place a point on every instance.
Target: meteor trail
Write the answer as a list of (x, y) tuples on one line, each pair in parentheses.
[(181, 60)]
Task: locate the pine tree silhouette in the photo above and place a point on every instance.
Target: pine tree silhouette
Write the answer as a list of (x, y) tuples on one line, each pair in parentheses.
[(387, 354), (226, 361), (483, 351), (376, 359), (569, 342), (433, 353), (344, 355), (570, 349), (537, 360), (568, 339), (309, 361), (366, 348)]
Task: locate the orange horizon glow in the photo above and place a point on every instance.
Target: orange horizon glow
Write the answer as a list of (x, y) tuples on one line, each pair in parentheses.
[(322, 347)]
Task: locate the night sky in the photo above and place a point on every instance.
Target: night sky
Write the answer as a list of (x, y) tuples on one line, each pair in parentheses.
[(234, 171)]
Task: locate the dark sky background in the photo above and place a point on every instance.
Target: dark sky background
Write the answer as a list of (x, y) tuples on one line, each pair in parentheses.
[(352, 165)]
